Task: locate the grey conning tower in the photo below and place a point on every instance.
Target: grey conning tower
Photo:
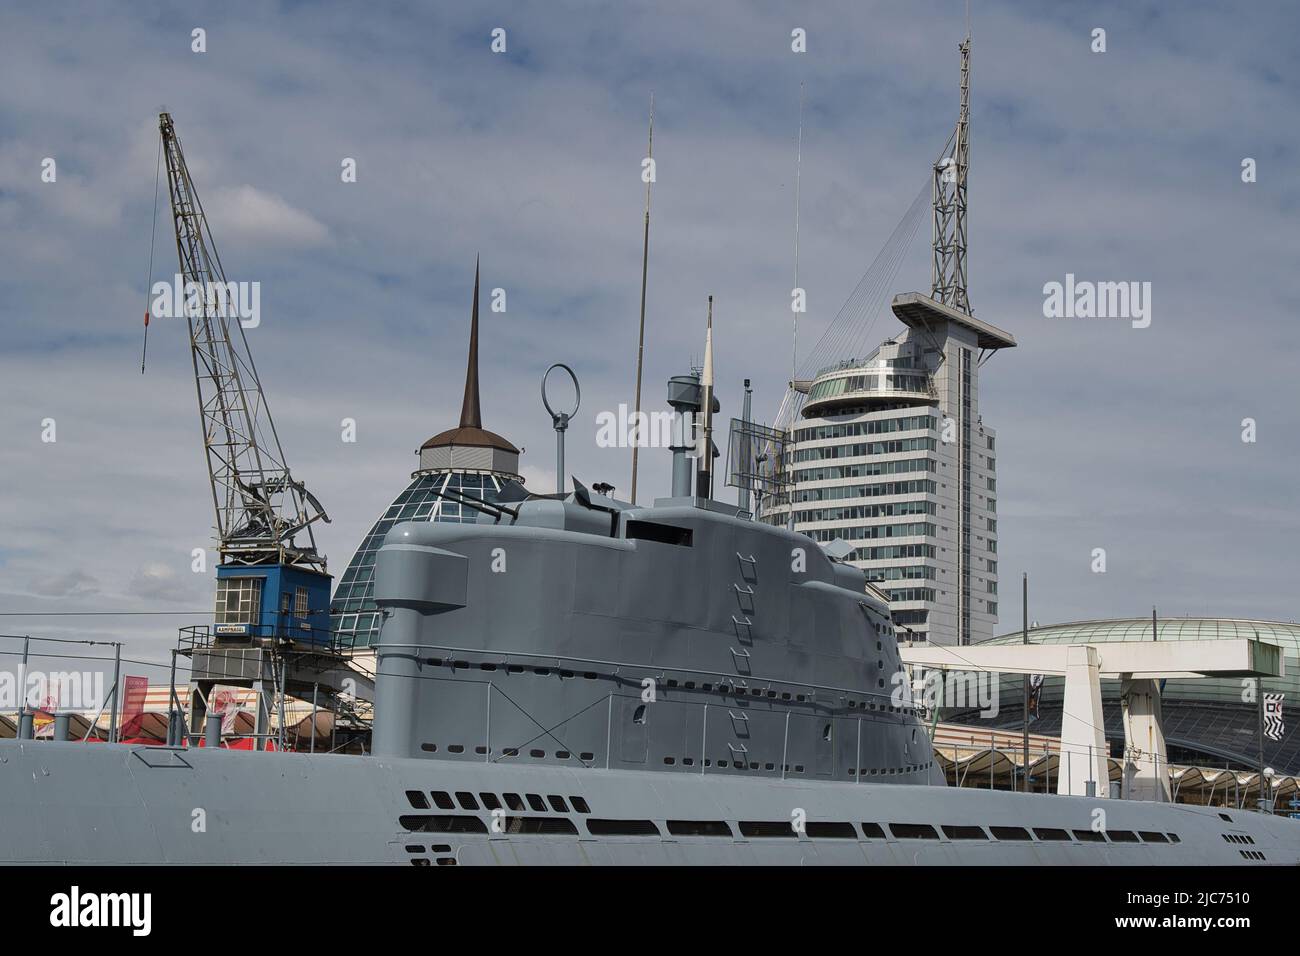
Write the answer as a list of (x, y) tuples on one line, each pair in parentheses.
[(679, 638)]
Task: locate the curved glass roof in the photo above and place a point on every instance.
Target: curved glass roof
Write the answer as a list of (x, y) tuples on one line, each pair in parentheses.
[(893, 372), (354, 617), (886, 378), (1285, 635)]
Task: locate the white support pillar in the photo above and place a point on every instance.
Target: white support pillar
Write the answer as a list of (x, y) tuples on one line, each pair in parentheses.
[(1083, 740), (1146, 765)]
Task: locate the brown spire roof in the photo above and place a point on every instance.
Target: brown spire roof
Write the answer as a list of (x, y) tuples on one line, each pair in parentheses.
[(470, 432), (470, 414)]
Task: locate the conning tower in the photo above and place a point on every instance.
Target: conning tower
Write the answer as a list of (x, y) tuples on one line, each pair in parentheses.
[(680, 638)]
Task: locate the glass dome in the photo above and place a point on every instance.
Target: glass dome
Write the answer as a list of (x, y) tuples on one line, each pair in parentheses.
[(354, 616)]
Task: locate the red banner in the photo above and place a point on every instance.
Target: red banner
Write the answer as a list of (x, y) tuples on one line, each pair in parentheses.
[(134, 690)]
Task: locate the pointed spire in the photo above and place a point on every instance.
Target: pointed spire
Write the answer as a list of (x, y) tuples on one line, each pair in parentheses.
[(470, 432), (470, 414)]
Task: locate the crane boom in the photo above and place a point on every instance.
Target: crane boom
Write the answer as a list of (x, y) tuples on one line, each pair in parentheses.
[(260, 509)]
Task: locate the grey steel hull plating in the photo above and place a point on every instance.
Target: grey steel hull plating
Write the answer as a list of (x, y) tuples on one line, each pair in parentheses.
[(106, 804)]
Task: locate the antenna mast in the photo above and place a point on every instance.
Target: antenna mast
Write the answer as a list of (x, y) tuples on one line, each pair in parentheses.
[(948, 273), (798, 169), (645, 262), (705, 489)]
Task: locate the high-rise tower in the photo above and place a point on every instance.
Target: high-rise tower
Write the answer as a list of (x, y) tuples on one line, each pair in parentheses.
[(890, 452)]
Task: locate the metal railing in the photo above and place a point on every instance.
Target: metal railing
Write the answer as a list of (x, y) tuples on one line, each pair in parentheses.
[(26, 714), (205, 636), (498, 754)]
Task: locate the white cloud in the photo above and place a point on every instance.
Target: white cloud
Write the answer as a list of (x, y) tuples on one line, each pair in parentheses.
[(245, 214), (540, 481), (157, 581)]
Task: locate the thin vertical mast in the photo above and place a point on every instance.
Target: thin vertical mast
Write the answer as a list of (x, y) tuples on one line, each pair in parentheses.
[(1024, 639), (798, 169), (706, 401), (746, 452), (645, 261)]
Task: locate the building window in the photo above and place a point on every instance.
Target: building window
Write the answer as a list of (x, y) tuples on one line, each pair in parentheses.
[(239, 600), (910, 529), (893, 551), (300, 602), (917, 487), (898, 595), (874, 427), (866, 469), (861, 512), (907, 572), (910, 617)]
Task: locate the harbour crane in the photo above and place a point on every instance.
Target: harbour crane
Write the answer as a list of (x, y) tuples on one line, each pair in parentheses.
[(271, 580)]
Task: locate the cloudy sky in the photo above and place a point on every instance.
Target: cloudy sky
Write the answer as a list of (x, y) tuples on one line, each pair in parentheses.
[(1122, 165)]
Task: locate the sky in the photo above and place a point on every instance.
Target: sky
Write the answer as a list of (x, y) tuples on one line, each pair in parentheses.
[(1122, 165)]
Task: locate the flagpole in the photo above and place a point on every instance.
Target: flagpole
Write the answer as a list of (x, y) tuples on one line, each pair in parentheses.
[(1259, 711), (1024, 639)]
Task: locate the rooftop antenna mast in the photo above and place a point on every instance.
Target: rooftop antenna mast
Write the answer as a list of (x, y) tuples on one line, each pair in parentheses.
[(948, 272), (798, 169), (645, 261)]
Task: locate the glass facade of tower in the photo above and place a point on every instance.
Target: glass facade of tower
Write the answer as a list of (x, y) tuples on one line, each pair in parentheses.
[(354, 617)]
